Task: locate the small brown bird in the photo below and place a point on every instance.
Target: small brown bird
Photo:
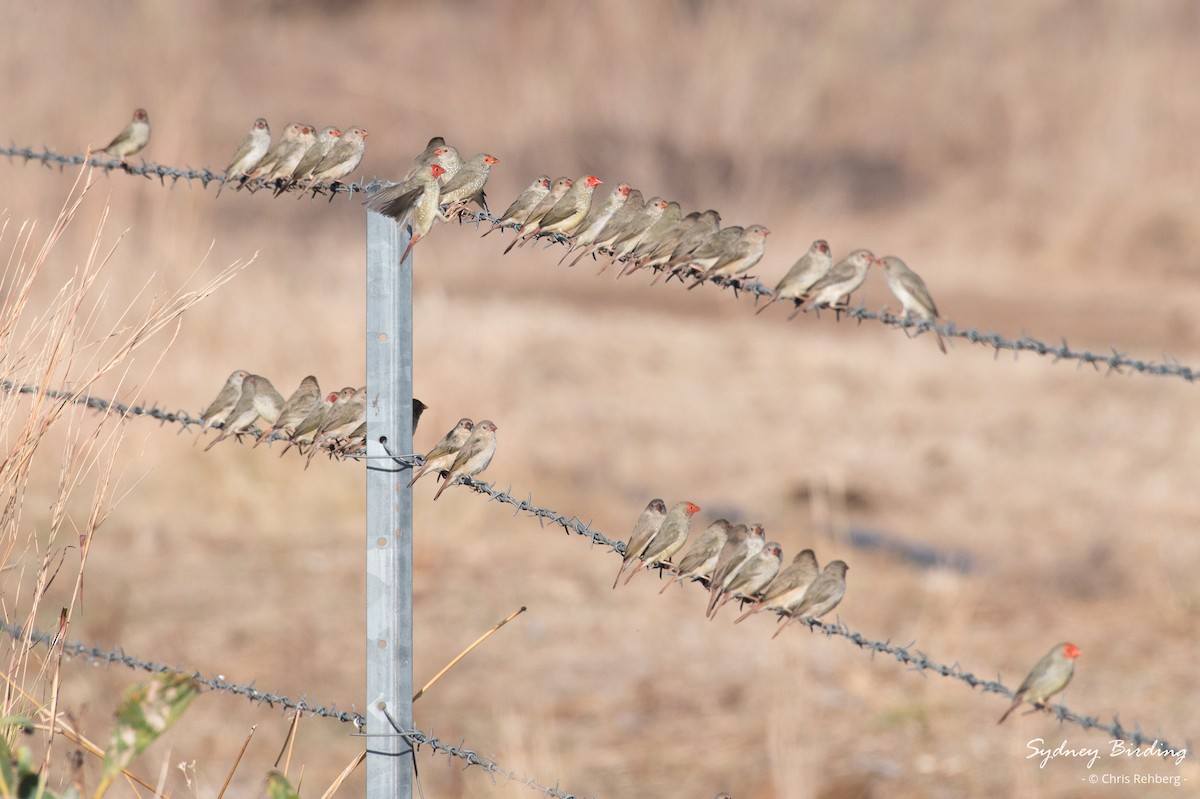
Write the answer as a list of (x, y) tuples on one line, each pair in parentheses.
[(321, 146), (597, 217), (289, 157), (421, 203), (669, 539), (789, 585), (835, 288), (526, 201), (307, 430), (433, 153), (557, 189), (441, 457), (244, 413), (753, 576), (467, 185), (566, 214), (346, 414), (303, 401), (705, 228), (740, 256), (132, 139), (629, 210), (822, 596), (220, 408), (701, 558), (910, 289), (474, 457), (711, 250), (644, 530), (662, 238), (634, 229), (252, 149), (670, 217), (743, 544), (343, 159), (811, 267), (287, 142), (267, 401), (1048, 677)]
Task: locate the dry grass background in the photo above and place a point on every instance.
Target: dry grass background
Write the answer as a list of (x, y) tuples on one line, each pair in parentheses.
[(1035, 162)]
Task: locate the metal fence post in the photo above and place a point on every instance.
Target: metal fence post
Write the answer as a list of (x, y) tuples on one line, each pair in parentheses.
[(389, 510)]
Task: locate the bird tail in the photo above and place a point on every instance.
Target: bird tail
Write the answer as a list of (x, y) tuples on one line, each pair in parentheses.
[(1011, 708)]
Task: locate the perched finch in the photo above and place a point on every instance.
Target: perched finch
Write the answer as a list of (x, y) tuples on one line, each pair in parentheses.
[(220, 408), (253, 147), (290, 156), (753, 576), (789, 585), (244, 413), (418, 408), (306, 431), (671, 216), (646, 528), (557, 189), (467, 184), (662, 237), (632, 233), (322, 144), (822, 596), (421, 203), (630, 209), (711, 250), (566, 214), (1049, 676), (474, 457), (910, 289), (133, 138), (434, 150), (597, 217), (303, 401), (526, 201), (701, 557), (267, 401), (705, 228), (288, 140), (742, 545), (811, 267), (740, 256), (835, 288), (343, 159), (283, 156), (669, 539), (347, 413), (441, 457)]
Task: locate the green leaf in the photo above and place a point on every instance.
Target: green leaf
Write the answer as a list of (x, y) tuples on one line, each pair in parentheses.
[(278, 787), (149, 709)]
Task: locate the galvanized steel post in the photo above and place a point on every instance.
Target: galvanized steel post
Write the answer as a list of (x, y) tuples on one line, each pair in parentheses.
[(389, 510)]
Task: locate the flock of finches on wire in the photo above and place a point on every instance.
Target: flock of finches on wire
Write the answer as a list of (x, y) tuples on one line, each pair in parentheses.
[(733, 561)]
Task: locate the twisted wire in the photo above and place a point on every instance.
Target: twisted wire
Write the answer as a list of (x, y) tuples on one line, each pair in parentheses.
[(417, 738), (914, 659), (1114, 361)]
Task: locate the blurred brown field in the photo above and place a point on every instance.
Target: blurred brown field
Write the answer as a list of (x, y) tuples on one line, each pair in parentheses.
[(1035, 162)]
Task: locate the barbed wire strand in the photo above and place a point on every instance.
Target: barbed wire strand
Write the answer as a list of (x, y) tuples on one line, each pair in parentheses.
[(914, 659), (574, 525), (183, 418), (416, 737), (1116, 361)]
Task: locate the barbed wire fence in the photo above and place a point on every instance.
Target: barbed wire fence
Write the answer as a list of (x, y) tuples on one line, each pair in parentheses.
[(907, 655), (415, 737), (574, 525), (1115, 361)]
